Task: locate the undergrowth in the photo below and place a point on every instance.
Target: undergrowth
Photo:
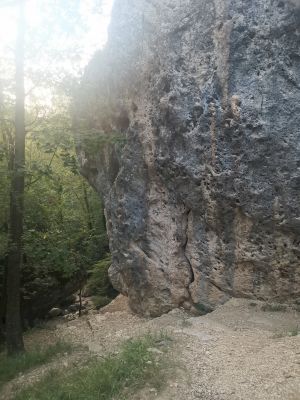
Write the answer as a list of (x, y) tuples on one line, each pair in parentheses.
[(99, 285), (115, 377), (10, 367)]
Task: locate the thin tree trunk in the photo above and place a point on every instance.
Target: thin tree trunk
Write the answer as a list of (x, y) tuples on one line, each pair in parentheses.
[(3, 306), (14, 337), (80, 301)]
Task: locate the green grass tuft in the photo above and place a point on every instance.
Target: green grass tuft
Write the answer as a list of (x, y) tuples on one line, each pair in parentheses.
[(274, 307), (294, 331), (100, 301), (10, 367), (252, 304), (115, 377)]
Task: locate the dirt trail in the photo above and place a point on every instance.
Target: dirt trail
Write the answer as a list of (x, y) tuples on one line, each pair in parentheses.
[(238, 352)]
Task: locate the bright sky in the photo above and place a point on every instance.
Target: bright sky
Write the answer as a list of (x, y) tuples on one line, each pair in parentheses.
[(93, 39), (50, 52)]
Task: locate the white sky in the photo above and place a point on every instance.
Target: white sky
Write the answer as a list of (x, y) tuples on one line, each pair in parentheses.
[(93, 39), (86, 43)]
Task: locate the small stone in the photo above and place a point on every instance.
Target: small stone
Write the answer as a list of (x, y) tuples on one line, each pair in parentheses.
[(73, 307), (154, 350), (55, 312), (70, 317), (186, 305)]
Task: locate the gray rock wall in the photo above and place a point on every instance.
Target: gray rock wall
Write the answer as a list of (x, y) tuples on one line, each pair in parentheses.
[(203, 196)]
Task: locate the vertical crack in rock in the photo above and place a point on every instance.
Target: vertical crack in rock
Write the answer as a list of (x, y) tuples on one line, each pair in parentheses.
[(186, 217)]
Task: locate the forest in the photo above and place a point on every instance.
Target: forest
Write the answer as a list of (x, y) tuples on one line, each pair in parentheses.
[(149, 199), (52, 223)]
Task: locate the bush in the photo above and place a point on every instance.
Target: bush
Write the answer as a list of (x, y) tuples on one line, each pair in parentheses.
[(100, 301), (99, 285)]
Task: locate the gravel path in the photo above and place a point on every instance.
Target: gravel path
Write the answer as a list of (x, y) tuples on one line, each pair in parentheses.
[(238, 352)]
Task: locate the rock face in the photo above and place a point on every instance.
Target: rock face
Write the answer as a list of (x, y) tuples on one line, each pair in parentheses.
[(203, 196)]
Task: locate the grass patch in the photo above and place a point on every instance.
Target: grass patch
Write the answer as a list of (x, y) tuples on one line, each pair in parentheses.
[(100, 301), (115, 377), (10, 367), (274, 307), (295, 331), (252, 304)]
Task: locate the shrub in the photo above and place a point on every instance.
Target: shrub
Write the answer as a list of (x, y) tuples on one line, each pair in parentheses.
[(100, 301), (99, 285)]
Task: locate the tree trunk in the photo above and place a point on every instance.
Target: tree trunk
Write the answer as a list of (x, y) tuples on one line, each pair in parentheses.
[(2, 306), (14, 337), (80, 301)]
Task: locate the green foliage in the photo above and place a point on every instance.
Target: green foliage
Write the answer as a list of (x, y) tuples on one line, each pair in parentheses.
[(94, 141), (115, 377), (101, 301), (64, 227), (252, 304), (10, 367), (98, 284), (294, 331)]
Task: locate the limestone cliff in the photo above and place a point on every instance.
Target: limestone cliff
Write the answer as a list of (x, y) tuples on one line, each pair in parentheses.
[(203, 196)]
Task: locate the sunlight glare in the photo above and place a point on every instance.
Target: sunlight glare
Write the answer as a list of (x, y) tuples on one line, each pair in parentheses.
[(94, 39)]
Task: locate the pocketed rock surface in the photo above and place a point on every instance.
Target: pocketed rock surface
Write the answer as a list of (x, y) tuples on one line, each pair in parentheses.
[(188, 124)]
